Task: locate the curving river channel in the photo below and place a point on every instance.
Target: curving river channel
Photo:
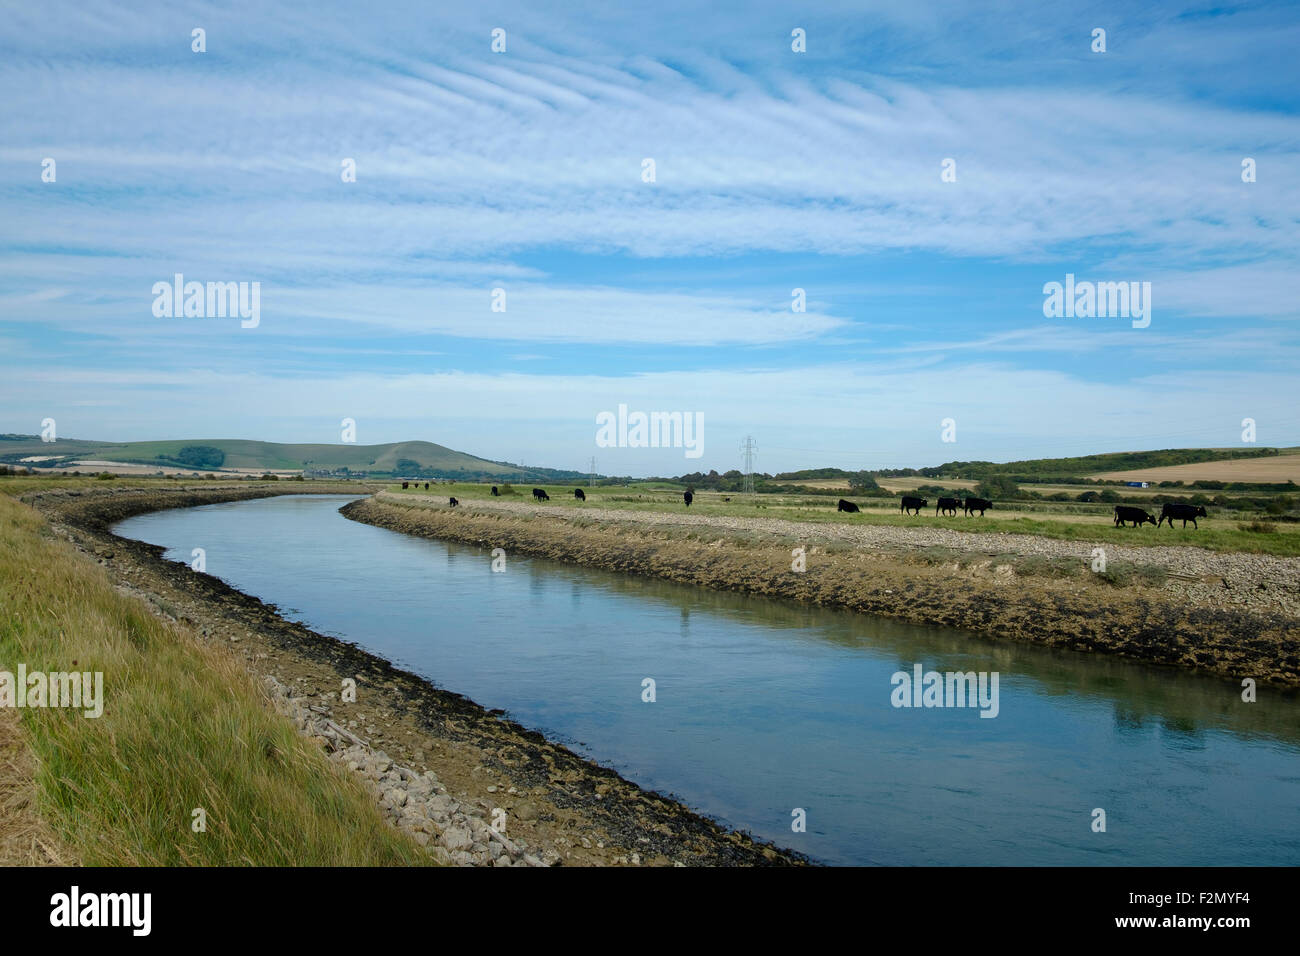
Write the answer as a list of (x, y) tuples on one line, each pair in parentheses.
[(763, 708)]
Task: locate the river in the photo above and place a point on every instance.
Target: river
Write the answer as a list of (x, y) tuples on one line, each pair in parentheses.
[(762, 708)]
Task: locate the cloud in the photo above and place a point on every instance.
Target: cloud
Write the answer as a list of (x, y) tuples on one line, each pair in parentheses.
[(502, 154), (524, 171), (850, 414)]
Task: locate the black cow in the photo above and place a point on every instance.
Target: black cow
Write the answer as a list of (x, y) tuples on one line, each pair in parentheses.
[(577, 493), (405, 484), (1139, 517), (726, 499), (540, 495), (495, 493), (973, 505), (913, 504), (847, 506), (1186, 512), (426, 486), (688, 498), (946, 505), (453, 502)]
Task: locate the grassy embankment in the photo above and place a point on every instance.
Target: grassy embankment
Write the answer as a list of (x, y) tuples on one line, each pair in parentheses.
[(1216, 533), (183, 726)]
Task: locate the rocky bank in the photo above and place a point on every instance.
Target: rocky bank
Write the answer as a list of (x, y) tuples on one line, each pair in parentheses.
[(1237, 615)]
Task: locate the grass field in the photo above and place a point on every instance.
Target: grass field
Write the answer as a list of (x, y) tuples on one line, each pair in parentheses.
[(1276, 468), (1073, 521), (1068, 520), (907, 484), (183, 727)]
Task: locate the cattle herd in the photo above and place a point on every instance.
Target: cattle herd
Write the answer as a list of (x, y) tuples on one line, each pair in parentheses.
[(945, 506), (1125, 515), (1170, 512)]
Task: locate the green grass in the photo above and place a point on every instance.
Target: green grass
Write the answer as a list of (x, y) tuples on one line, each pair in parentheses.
[(1070, 522), (267, 456), (183, 727)]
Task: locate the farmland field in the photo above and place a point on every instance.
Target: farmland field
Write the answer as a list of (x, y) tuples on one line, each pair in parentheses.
[(1276, 468)]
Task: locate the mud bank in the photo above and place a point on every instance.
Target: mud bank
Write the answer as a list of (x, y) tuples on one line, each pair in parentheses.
[(406, 737), (1192, 620)]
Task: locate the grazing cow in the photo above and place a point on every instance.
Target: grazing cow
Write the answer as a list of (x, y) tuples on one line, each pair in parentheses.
[(946, 505), (973, 505), (453, 502), (1139, 517), (426, 486), (847, 506), (540, 495), (495, 493), (913, 504), (689, 498), (726, 499), (577, 493), (405, 484), (1187, 512)]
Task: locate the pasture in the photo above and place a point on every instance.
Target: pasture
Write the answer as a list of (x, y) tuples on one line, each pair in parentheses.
[(1073, 521)]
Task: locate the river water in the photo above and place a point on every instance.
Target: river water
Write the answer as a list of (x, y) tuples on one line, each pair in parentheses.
[(764, 708)]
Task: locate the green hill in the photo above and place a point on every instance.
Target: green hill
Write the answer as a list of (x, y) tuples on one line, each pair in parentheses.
[(403, 459)]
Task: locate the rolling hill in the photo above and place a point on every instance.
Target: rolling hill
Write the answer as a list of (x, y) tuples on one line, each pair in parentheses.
[(402, 459)]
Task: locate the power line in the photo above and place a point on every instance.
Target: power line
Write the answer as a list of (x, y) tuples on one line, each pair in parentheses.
[(748, 447)]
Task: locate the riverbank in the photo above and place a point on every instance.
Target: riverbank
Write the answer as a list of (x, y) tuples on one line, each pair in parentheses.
[(1237, 615), (437, 766), (160, 749)]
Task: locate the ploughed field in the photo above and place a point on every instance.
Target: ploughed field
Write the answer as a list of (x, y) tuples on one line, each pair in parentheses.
[(1277, 468)]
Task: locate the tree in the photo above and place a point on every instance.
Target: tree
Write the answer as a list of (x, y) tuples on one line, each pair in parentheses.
[(204, 457), (997, 486), (862, 481), (1279, 505)]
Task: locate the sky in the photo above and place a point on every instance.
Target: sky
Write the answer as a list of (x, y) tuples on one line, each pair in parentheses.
[(923, 338)]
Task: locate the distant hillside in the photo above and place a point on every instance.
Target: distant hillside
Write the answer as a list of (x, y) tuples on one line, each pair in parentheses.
[(1079, 468), (397, 459), (1254, 465)]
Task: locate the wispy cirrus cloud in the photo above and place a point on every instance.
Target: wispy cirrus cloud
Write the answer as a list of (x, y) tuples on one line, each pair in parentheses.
[(773, 171)]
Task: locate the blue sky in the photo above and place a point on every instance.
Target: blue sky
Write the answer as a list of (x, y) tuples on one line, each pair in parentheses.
[(775, 170)]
